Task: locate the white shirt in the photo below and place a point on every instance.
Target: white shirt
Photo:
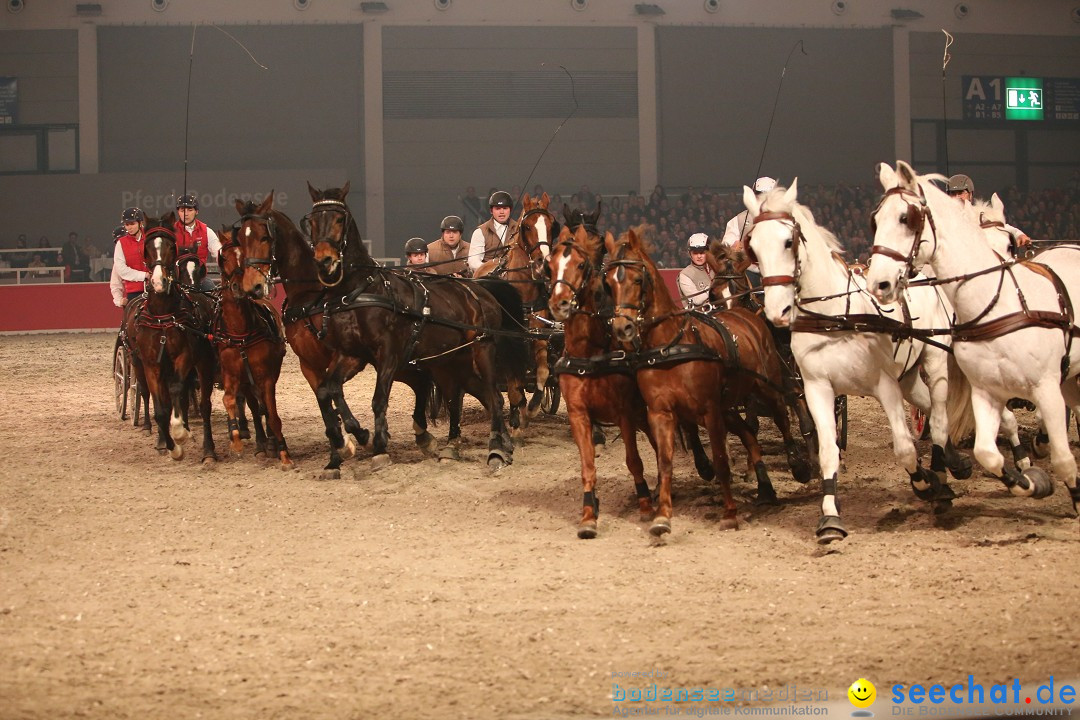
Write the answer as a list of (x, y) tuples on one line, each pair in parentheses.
[(120, 265), (477, 244), (213, 243), (736, 229)]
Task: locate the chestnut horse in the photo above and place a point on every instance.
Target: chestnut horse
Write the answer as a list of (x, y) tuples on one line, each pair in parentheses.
[(694, 368), (171, 342), (597, 379), (273, 246), (463, 334), (521, 263), (251, 346)]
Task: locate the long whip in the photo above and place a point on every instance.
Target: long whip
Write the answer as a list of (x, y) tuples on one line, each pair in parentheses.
[(573, 95), (945, 58)]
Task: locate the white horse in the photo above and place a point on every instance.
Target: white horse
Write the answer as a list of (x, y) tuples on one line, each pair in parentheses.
[(1014, 332), (841, 340)]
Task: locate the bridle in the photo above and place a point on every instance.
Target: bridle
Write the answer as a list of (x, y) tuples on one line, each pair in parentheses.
[(340, 243), (232, 278), (168, 270), (644, 281), (586, 266), (190, 254), (266, 266), (797, 238), (915, 217)]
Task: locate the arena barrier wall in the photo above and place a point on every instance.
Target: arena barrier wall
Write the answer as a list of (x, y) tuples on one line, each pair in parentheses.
[(85, 307)]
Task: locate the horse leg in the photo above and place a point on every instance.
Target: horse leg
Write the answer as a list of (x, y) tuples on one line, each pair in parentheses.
[(701, 459), (205, 371), (258, 416), (1032, 482), (581, 429), (454, 400), (178, 400), (663, 426), (380, 400), (500, 444), (634, 464), (932, 401), (714, 424), (798, 462), (268, 392), (421, 388), (1011, 430), (1064, 464), (821, 399), (162, 409), (925, 483), (795, 399), (231, 400), (324, 397), (515, 395), (766, 494), (241, 417)]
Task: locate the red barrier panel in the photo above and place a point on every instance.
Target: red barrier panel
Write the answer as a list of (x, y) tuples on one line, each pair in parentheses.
[(67, 306), (671, 279)]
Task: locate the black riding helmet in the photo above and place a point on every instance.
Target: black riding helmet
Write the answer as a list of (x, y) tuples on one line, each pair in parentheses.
[(187, 201), (452, 222), (118, 232), (132, 214), (415, 245), (500, 198)]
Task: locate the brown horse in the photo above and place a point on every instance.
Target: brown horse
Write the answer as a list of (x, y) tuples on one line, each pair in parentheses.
[(692, 368), (171, 343), (251, 346), (522, 265), (274, 247), (596, 379), (731, 288), (460, 333)]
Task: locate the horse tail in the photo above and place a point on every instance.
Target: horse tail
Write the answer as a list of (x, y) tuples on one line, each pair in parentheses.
[(958, 403), (510, 347)]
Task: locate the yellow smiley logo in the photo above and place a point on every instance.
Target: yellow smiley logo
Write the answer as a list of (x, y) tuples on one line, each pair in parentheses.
[(862, 693)]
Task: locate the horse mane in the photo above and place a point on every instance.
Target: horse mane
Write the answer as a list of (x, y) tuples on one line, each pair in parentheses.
[(983, 210), (646, 235), (774, 202)]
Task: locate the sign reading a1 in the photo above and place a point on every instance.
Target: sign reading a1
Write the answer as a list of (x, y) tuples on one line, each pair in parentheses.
[(1023, 98)]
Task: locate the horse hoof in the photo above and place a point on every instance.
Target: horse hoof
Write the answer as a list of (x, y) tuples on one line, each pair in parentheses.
[(660, 526), (729, 523), (1040, 446), (287, 464), (426, 442), (587, 530), (766, 497), (330, 474), (260, 454), (498, 458), (209, 460), (177, 452), (801, 472), (495, 462), (1041, 484), (238, 447), (245, 434), (940, 507), (378, 462), (830, 529), (349, 449)]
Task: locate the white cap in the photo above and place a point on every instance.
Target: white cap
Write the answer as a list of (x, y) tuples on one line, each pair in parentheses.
[(698, 241), (764, 184)]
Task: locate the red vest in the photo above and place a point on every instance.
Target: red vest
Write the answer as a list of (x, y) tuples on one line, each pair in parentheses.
[(186, 239), (132, 246)]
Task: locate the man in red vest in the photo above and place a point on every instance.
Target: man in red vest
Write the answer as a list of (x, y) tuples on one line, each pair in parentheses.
[(128, 255), (192, 232)]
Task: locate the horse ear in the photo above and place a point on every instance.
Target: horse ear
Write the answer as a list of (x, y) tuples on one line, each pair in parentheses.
[(566, 212), (906, 173), (792, 193), (609, 242), (312, 192), (267, 204), (345, 190), (995, 202), (580, 235), (240, 205), (545, 200), (887, 176), (750, 200)]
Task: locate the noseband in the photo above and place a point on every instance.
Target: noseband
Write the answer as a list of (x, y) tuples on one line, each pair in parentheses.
[(339, 244), (586, 272), (915, 218), (796, 239)]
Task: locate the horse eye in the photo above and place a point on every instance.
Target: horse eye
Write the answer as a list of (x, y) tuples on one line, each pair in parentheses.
[(787, 244), (903, 219)]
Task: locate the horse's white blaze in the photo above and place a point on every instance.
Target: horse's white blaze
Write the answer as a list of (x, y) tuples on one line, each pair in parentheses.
[(564, 262), (157, 278), (247, 232), (542, 233)]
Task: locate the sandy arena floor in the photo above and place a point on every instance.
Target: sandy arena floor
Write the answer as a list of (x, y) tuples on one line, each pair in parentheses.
[(133, 586)]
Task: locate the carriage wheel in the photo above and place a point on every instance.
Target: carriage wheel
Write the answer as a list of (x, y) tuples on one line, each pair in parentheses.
[(549, 403), (135, 400), (121, 380), (840, 409), (434, 404)]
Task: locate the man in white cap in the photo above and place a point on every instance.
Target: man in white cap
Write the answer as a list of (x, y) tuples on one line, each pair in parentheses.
[(962, 188), (739, 226), (697, 277)]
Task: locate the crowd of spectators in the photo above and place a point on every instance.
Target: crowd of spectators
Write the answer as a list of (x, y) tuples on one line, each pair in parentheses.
[(1052, 214), (73, 256)]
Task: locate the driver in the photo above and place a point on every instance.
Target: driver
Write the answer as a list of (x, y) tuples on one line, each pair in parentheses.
[(495, 233), (696, 279), (191, 231), (961, 187), (128, 255)]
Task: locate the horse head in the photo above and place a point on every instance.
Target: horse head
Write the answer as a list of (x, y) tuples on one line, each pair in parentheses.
[(992, 221), (255, 232), (159, 253), (190, 268), (537, 227), (231, 263), (630, 283), (904, 234), (334, 235), (573, 217), (570, 266), (773, 244)]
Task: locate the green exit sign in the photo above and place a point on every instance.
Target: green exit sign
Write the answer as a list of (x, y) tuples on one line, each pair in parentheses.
[(1023, 98)]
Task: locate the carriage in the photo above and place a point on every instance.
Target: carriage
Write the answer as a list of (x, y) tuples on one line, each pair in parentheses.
[(126, 388)]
